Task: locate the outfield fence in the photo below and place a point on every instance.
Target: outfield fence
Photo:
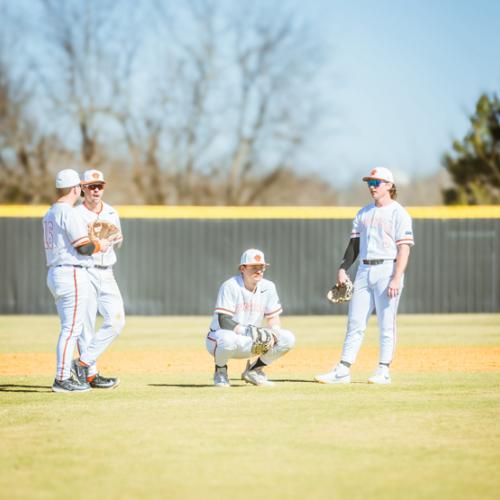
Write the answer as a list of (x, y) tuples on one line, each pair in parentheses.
[(174, 258)]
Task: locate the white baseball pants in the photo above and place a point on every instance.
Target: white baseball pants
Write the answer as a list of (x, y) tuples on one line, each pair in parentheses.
[(370, 292), (105, 298), (226, 344), (70, 287)]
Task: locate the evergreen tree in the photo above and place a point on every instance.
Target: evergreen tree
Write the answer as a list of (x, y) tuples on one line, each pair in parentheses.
[(474, 164)]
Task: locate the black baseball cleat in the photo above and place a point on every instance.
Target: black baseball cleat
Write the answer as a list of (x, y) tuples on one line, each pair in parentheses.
[(100, 382), (80, 372)]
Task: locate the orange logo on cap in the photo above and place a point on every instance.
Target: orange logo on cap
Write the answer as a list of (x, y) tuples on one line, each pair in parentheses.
[(258, 258), (373, 172), (95, 175)]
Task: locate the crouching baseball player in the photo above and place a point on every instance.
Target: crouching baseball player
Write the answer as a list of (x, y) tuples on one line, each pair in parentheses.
[(243, 302)]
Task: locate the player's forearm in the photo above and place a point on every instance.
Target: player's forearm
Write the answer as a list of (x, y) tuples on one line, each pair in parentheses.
[(274, 322), (401, 260), (228, 323), (118, 240), (351, 254)]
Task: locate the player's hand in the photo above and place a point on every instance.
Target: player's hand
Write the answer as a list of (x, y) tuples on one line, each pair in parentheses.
[(393, 288), (105, 245), (341, 277), (116, 238)]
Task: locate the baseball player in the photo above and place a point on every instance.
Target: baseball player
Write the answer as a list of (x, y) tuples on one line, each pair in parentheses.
[(68, 253), (382, 236), (244, 300), (104, 296)]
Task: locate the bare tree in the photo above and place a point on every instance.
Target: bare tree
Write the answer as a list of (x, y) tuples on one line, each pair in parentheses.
[(243, 102), (25, 150), (202, 101), (96, 51), (185, 82), (270, 58), (82, 64)]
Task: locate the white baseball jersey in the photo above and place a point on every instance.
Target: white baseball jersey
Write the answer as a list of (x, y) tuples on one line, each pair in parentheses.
[(381, 230), (108, 214), (64, 230), (245, 307)]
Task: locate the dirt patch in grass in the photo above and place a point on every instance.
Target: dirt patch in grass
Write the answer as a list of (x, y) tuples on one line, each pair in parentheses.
[(408, 359)]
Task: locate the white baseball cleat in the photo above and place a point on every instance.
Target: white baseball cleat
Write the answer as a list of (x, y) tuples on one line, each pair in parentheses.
[(339, 375), (263, 377), (381, 376), (256, 376), (220, 377)]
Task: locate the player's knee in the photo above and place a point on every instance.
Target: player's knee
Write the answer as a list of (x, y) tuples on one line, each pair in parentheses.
[(226, 340), (211, 345), (286, 340), (115, 323), (355, 327), (119, 324), (387, 334), (73, 330)]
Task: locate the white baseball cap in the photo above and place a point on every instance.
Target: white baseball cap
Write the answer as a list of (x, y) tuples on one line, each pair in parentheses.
[(252, 256), (67, 178), (380, 173), (93, 177)]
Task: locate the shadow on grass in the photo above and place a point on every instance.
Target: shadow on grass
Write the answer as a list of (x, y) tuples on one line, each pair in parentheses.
[(242, 384), (24, 388), (294, 380), (200, 386), (194, 386)]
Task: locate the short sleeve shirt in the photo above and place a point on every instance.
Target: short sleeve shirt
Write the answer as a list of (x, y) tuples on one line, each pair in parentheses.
[(381, 230), (108, 214), (246, 307), (63, 231)]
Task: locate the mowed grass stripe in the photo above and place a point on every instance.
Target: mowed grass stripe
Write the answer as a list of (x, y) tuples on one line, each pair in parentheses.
[(170, 434)]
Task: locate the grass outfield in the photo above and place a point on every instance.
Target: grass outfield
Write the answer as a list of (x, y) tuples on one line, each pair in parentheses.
[(167, 433)]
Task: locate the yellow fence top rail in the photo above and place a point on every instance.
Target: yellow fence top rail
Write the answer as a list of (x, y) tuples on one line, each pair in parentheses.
[(197, 212)]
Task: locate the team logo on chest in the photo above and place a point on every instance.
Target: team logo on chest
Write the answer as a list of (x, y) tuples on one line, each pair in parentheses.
[(250, 307)]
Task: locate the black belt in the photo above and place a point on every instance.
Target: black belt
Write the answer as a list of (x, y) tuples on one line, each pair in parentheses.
[(102, 267), (376, 262)]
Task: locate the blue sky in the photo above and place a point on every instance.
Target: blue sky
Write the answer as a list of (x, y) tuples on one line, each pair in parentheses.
[(405, 76)]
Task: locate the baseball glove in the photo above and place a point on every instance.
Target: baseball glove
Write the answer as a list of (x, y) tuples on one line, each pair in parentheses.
[(102, 230), (341, 293), (263, 339)]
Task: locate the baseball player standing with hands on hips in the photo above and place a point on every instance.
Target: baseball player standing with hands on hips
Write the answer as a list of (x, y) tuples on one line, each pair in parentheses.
[(243, 302), (104, 295), (68, 253), (382, 236)]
